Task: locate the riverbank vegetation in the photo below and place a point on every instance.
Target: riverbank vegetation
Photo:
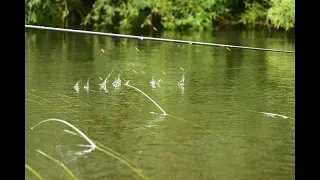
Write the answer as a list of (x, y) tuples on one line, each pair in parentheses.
[(161, 14)]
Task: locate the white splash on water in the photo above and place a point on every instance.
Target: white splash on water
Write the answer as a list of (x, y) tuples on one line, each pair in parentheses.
[(181, 84), (158, 82), (76, 87), (86, 87), (153, 82), (117, 82), (103, 85), (274, 115)]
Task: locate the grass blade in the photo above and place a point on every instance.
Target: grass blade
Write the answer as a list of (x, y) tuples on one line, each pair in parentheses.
[(127, 84), (58, 162), (34, 172), (93, 146)]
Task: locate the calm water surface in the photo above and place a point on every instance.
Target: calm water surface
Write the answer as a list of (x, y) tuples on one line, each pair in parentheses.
[(215, 128)]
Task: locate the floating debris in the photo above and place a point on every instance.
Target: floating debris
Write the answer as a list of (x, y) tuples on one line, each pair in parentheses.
[(102, 50), (117, 82), (100, 78), (86, 87), (133, 64), (164, 73), (155, 28), (228, 49), (137, 49), (134, 71), (143, 73), (181, 68), (123, 43), (76, 87), (274, 115)]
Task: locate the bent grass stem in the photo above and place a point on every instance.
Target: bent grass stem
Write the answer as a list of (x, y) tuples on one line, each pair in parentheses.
[(34, 172), (94, 146), (164, 113), (58, 162), (127, 84)]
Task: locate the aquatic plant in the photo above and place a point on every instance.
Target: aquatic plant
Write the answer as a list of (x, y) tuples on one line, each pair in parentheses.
[(127, 84), (165, 114), (34, 172), (58, 162), (93, 146)]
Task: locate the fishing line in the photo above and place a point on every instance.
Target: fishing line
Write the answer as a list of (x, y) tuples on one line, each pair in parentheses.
[(153, 39)]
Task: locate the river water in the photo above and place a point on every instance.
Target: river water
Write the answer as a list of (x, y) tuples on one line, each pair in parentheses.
[(232, 118)]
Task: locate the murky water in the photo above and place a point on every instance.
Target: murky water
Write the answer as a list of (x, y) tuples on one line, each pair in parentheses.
[(217, 127)]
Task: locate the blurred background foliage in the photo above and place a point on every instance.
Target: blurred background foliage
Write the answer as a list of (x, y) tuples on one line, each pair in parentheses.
[(161, 14)]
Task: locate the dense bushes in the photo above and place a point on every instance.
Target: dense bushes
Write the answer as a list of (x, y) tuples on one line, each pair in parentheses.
[(167, 14)]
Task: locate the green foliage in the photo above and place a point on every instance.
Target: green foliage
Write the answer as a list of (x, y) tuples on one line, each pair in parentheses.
[(45, 11), (282, 13), (106, 13), (52, 12), (196, 14), (169, 14), (255, 13)]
